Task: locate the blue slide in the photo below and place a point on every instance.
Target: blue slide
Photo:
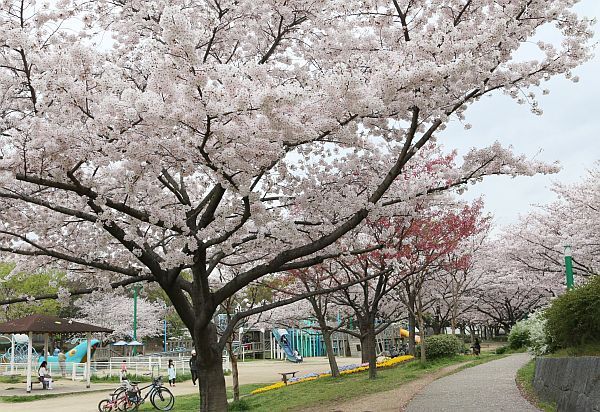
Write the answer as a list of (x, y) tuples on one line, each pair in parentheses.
[(283, 339)]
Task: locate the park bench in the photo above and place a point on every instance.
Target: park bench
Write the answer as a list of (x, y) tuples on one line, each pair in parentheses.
[(284, 376)]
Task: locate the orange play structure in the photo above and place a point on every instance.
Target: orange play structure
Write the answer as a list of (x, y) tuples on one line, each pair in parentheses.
[(404, 333)]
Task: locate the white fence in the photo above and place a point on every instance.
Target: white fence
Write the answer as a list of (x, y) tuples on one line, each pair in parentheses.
[(152, 365)]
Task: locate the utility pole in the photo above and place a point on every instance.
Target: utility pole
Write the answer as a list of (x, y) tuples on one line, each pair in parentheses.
[(569, 267)]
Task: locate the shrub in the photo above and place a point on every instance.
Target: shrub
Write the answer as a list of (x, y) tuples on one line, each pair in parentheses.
[(572, 319), (440, 346), (519, 335), (501, 350), (538, 335)]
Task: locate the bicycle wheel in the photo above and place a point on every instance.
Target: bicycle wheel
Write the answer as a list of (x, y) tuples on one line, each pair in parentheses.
[(162, 399), (118, 392), (105, 405)]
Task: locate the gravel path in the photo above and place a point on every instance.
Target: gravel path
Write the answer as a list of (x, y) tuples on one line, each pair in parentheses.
[(487, 387)]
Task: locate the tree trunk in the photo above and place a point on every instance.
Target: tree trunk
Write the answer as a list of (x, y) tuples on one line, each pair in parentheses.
[(421, 321), (234, 371), (369, 350), (213, 395), (335, 372), (411, 334)]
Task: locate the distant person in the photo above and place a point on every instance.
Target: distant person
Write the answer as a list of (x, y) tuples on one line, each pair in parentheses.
[(171, 372), (123, 373), (56, 351), (62, 363), (193, 367), (44, 376), (476, 347)]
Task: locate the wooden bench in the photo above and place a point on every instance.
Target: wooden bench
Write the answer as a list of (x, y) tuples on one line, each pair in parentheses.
[(284, 376)]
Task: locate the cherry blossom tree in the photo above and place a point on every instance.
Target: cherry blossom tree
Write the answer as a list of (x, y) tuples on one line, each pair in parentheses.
[(507, 292), (143, 139), (115, 310), (450, 291), (537, 242), (429, 249)]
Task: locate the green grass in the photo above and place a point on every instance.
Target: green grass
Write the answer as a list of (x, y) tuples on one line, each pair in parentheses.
[(590, 349), (11, 379), (28, 398), (192, 402), (326, 391), (525, 382)]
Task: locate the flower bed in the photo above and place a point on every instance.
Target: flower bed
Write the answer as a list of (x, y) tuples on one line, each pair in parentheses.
[(344, 370)]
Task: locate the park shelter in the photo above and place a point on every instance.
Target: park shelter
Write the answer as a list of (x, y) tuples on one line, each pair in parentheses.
[(49, 325)]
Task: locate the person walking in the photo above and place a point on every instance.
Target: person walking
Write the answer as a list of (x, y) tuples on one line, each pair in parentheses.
[(62, 363), (193, 367), (172, 373)]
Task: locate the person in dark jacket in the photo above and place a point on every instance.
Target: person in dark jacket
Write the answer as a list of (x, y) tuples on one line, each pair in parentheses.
[(193, 367), (476, 347)]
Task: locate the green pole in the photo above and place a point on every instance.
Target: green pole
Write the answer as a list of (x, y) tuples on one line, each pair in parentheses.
[(136, 289), (569, 267)]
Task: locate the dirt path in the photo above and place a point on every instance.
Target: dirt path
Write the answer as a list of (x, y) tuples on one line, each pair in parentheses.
[(394, 400)]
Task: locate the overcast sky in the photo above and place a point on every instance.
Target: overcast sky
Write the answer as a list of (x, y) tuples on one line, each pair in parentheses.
[(567, 131)]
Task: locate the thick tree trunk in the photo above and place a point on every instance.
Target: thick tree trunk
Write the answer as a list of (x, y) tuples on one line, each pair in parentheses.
[(213, 395), (335, 372), (234, 371), (411, 334), (369, 350)]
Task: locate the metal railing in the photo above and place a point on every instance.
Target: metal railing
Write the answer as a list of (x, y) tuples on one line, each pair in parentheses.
[(76, 371)]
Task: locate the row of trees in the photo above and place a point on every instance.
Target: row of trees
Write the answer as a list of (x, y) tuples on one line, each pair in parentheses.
[(211, 145)]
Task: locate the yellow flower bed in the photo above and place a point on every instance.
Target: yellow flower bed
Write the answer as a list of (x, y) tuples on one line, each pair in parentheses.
[(383, 364)]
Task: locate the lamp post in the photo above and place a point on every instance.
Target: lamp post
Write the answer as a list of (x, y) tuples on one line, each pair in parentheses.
[(136, 290), (569, 267)]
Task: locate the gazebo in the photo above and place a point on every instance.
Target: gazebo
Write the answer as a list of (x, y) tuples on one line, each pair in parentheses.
[(48, 325)]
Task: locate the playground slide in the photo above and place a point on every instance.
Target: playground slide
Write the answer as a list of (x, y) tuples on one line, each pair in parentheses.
[(76, 355), (282, 338)]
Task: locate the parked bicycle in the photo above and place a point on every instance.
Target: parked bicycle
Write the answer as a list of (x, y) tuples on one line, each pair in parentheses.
[(128, 397)]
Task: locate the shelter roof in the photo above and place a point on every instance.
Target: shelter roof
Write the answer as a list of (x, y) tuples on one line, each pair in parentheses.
[(48, 324)]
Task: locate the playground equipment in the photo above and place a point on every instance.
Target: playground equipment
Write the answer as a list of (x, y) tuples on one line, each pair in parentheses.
[(283, 339), (76, 355), (405, 334), (21, 343)]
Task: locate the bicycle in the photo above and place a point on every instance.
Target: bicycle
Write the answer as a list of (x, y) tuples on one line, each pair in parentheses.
[(124, 400), (160, 397)]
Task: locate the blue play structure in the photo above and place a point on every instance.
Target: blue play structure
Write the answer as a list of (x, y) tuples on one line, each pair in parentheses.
[(76, 355), (284, 340)]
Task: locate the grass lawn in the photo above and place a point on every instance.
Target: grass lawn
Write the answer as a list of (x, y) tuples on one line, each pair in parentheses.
[(591, 349), (330, 391), (525, 382)]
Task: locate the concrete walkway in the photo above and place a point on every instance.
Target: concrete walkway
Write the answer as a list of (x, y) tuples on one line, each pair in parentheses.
[(487, 387)]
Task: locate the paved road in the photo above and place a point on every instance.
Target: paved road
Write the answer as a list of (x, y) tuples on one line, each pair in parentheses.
[(487, 387)]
